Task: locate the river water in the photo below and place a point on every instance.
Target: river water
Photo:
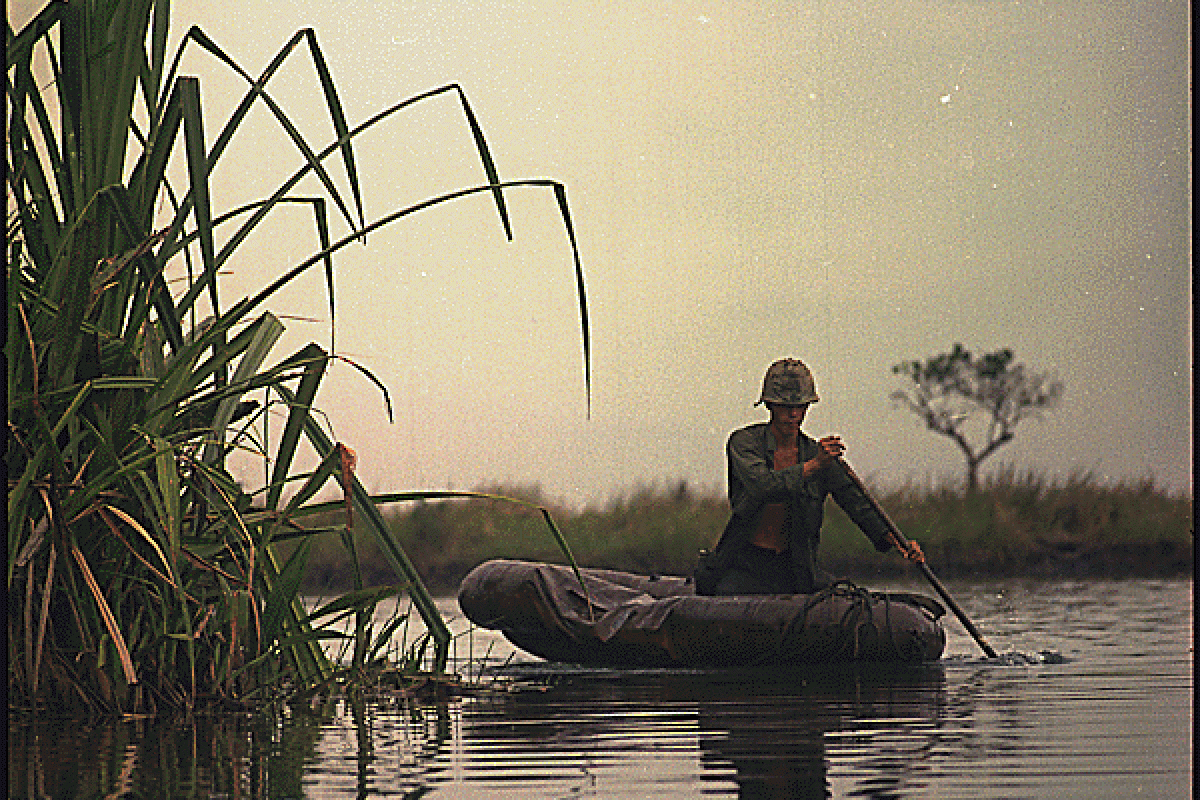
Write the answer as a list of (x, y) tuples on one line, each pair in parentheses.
[(1091, 698)]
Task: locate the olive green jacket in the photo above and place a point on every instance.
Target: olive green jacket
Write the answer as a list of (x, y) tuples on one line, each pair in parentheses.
[(753, 483)]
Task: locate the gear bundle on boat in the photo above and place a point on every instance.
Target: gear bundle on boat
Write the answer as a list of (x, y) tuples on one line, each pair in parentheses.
[(624, 619)]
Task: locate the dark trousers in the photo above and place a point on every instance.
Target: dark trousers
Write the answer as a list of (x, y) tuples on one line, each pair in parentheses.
[(757, 570)]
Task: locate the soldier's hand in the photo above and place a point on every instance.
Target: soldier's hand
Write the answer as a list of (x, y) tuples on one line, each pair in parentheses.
[(829, 449), (914, 552)]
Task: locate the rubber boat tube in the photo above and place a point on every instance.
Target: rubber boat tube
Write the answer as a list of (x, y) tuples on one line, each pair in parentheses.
[(624, 619)]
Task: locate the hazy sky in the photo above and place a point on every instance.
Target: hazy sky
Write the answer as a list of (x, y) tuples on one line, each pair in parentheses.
[(849, 183)]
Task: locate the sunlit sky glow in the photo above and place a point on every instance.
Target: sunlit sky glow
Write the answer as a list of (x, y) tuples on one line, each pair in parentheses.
[(850, 184)]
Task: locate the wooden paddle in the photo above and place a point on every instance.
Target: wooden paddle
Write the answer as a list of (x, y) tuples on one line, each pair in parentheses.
[(903, 545)]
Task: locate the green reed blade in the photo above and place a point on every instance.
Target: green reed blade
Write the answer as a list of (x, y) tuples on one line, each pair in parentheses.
[(235, 240), (198, 171), (113, 84), (299, 410), (160, 28), (167, 474), (154, 293), (281, 646), (329, 466), (54, 218), (387, 219), (378, 648), (258, 91), (43, 616), (110, 623), (284, 591), (265, 333), (356, 600), (70, 80), (338, 117), (560, 194), (168, 564), (149, 175), (309, 660), (395, 554), (19, 47), (26, 166), (489, 166), (322, 222)]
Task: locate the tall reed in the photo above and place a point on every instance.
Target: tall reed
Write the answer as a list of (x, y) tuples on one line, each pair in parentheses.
[(141, 575)]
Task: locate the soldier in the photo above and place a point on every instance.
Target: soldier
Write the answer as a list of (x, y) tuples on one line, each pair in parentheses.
[(779, 478)]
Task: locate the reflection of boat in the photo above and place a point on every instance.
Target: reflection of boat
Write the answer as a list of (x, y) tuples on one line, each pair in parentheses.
[(844, 730), (635, 620)]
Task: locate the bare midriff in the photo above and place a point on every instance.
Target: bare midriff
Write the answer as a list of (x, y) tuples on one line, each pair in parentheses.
[(771, 531)]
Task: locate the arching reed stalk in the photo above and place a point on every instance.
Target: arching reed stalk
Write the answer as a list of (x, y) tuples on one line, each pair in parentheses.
[(141, 575)]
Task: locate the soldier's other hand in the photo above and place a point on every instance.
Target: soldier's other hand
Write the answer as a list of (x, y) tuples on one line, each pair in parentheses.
[(829, 449), (914, 552)]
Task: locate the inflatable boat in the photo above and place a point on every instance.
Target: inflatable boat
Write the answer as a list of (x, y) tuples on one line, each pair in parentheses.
[(620, 619)]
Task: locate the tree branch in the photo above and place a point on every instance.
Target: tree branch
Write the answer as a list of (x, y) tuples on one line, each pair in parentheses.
[(949, 388)]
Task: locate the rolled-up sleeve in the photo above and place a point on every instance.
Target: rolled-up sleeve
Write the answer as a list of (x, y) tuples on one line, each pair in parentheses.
[(859, 509)]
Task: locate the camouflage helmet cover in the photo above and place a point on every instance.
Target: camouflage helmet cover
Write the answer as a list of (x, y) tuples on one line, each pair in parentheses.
[(788, 382)]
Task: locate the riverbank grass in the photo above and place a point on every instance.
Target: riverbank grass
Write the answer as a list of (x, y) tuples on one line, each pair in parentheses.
[(1015, 524)]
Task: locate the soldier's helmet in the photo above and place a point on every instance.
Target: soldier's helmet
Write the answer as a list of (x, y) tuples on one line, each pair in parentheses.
[(788, 382)]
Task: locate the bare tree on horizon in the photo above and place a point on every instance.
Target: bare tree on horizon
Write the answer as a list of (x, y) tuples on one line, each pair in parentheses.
[(950, 388)]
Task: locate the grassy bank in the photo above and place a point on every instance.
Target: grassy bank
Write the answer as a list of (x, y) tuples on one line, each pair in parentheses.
[(1016, 524)]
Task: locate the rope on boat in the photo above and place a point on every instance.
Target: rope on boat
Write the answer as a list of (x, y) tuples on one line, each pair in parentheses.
[(857, 617)]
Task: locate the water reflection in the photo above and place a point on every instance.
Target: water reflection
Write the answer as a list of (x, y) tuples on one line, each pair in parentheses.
[(778, 740), (229, 756), (776, 749), (753, 733), (340, 748), (765, 732), (1106, 714)]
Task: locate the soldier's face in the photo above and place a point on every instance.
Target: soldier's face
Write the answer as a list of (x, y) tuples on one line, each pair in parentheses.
[(787, 415)]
